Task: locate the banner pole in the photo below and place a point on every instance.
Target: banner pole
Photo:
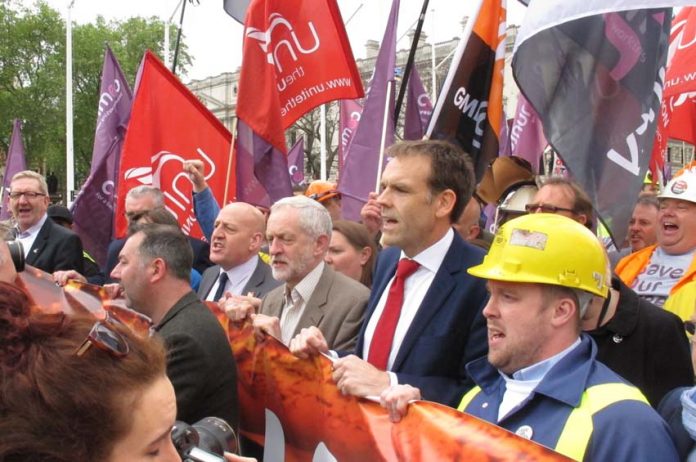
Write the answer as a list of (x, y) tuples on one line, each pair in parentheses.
[(229, 162), (384, 136)]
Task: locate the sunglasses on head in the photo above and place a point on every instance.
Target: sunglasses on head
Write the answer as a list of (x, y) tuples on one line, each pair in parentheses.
[(104, 337), (546, 208)]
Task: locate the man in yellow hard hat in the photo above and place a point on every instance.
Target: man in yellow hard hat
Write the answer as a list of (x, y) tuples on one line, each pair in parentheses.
[(541, 379), (327, 195)]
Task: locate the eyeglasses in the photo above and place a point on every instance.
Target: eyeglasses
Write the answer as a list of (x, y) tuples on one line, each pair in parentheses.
[(27, 194), (690, 327), (103, 336), (546, 208)]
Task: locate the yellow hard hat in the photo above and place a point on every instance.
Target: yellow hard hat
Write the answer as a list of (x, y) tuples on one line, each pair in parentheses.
[(548, 249), (321, 191)]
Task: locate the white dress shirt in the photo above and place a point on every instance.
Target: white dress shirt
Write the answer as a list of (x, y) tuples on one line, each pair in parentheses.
[(237, 278), (296, 302), (28, 237), (415, 288)]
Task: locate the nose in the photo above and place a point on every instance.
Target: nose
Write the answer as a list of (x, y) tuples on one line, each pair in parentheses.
[(116, 272), (328, 260), (274, 246), (490, 310)]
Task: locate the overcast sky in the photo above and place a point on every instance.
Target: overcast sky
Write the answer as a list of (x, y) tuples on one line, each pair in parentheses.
[(214, 38)]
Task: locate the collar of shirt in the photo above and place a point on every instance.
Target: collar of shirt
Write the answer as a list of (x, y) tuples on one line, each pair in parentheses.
[(34, 230), (307, 285), (243, 272), (432, 257), (537, 371)]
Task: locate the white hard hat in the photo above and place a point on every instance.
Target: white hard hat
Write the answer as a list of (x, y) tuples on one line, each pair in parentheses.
[(681, 187)]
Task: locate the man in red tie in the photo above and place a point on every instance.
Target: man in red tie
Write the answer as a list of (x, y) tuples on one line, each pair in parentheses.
[(424, 319)]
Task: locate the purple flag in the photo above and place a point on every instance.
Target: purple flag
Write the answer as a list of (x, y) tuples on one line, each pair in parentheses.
[(296, 163), (16, 162), (93, 209), (262, 171), (594, 72), (359, 174), (527, 134), (418, 109), (349, 117)]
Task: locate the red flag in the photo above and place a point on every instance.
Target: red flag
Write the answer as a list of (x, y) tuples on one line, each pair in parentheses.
[(296, 57), (678, 108), (169, 125)]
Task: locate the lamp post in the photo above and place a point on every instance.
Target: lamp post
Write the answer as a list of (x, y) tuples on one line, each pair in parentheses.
[(69, 148)]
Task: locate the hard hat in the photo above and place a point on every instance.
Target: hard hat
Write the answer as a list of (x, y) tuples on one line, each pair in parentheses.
[(321, 191), (501, 175), (682, 186), (516, 200), (548, 249)]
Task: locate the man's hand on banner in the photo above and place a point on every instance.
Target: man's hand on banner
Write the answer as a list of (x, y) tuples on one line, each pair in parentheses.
[(309, 342), (196, 173), (371, 214), (114, 290), (239, 307), (396, 400), (266, 325), (62, 277), (356, 377)]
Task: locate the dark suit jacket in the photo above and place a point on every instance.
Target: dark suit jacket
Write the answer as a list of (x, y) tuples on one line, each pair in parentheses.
[(336, 307), (56, 248), (199, 362), (260, 283), (201, 252), (449, 329)]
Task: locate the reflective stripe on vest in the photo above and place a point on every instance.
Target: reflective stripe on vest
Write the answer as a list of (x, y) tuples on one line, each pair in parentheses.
[(578, 428)]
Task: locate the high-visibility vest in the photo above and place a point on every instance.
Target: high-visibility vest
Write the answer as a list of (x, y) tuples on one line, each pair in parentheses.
[(577, 430)]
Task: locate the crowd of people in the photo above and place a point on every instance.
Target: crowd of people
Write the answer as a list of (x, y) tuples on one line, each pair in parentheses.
[(532, 324)]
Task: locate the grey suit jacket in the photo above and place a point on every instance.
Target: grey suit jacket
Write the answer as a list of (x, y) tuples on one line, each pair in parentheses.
[(260, 283), (336, 307)]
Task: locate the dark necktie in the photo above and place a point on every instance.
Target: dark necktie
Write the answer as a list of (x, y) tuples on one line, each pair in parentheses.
[(382, 340), (222, 282)]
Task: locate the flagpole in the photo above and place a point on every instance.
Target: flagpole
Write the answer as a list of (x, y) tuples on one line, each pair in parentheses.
[(69, 152), (409, 63), (384, 136), (433, 86), (322, 141), (229, 162), (178, 36)]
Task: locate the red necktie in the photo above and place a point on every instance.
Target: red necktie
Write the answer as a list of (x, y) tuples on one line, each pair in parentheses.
[(383, 337)]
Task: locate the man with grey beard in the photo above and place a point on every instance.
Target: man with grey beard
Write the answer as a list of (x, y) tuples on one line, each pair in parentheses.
[(298, 234)]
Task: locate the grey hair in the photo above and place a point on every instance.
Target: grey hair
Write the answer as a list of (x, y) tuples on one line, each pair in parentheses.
[(146, 190), (43, 186), (314, 218), (648, 199), (171, 245)]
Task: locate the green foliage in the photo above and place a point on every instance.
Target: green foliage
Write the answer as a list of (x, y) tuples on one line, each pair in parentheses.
[(32, 77)]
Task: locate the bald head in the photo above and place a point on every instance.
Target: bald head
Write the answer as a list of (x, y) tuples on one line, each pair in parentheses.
[(238, 235), (468, 224)]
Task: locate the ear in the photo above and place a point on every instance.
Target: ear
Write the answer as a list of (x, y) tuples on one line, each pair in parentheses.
[(157, 270), (321, 245), (365, 254), (445, 201), (582, 219), (564, 311), (256, 241)]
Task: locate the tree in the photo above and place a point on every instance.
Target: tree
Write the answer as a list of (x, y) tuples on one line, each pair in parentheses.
[(309, 127), (32, 77)]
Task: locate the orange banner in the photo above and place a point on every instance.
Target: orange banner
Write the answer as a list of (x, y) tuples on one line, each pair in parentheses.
[(316, 418)]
